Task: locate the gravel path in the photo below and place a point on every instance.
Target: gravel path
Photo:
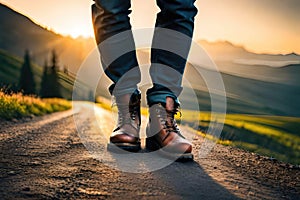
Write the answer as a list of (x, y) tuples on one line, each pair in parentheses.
[(43, 158)]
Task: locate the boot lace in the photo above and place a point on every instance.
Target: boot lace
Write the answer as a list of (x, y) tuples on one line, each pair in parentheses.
[(167, 120), (127, 114)]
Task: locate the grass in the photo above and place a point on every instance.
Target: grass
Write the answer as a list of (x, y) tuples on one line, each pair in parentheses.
[(273, 136), (18, 106)]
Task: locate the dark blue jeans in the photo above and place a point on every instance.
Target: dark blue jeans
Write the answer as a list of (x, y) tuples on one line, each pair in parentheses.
[(170, 46)]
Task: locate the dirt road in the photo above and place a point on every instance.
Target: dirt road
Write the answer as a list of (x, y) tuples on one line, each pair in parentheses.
[(44, 158)]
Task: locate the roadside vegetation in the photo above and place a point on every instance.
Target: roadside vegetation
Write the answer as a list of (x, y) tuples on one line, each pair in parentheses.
[(277, 137), (17, 105)]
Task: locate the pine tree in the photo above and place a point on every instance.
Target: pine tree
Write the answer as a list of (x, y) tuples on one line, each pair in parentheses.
[(91, 96), (45, 81), (50, 85), (66, 70), (27, 83), (53, 76)]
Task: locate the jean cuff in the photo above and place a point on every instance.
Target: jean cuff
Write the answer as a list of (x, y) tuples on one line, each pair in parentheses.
[(160, 97), (121, 92)]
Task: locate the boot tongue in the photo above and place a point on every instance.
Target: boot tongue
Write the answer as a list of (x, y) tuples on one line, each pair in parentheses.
[(170, 111), (169, 104), (123, 100)]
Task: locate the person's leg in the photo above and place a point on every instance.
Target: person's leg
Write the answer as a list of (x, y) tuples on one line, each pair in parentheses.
[(114, 38), (170, 48)]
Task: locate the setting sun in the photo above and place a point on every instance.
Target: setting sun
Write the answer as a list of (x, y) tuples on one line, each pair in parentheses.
[(83, 30)]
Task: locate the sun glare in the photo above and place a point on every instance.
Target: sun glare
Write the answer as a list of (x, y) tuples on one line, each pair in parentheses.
[(80, 31)]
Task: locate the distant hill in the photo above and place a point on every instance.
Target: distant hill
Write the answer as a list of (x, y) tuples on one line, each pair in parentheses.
[(226, 51), (236, 60), (262, 90), (18, 33), (245, 95), (255, 83)]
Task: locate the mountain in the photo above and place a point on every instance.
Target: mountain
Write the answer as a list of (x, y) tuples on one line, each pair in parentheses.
[(19, 33), (263, 90), (226, 51), (254, 83), (246, 95), (236, 60)]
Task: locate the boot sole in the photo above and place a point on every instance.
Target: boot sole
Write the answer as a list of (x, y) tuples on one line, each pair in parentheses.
[(121, 147), (152, 145)]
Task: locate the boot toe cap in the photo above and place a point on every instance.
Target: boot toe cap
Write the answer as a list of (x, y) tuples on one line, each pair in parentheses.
[(178, 148), (123, 138)]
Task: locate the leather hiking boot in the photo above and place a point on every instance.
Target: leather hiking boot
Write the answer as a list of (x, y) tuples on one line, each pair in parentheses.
[(163, 133), (126, 135)]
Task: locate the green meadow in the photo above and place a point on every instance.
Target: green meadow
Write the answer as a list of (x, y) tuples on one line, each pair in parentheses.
[(274, 136), (277, 137)]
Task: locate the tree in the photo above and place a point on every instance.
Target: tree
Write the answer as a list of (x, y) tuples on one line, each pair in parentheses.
[(45, 82), (50, 85), (66, 70), (27, 83), (91, 96)]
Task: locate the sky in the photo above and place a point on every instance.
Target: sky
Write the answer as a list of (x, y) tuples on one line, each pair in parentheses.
[(261, 26)]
